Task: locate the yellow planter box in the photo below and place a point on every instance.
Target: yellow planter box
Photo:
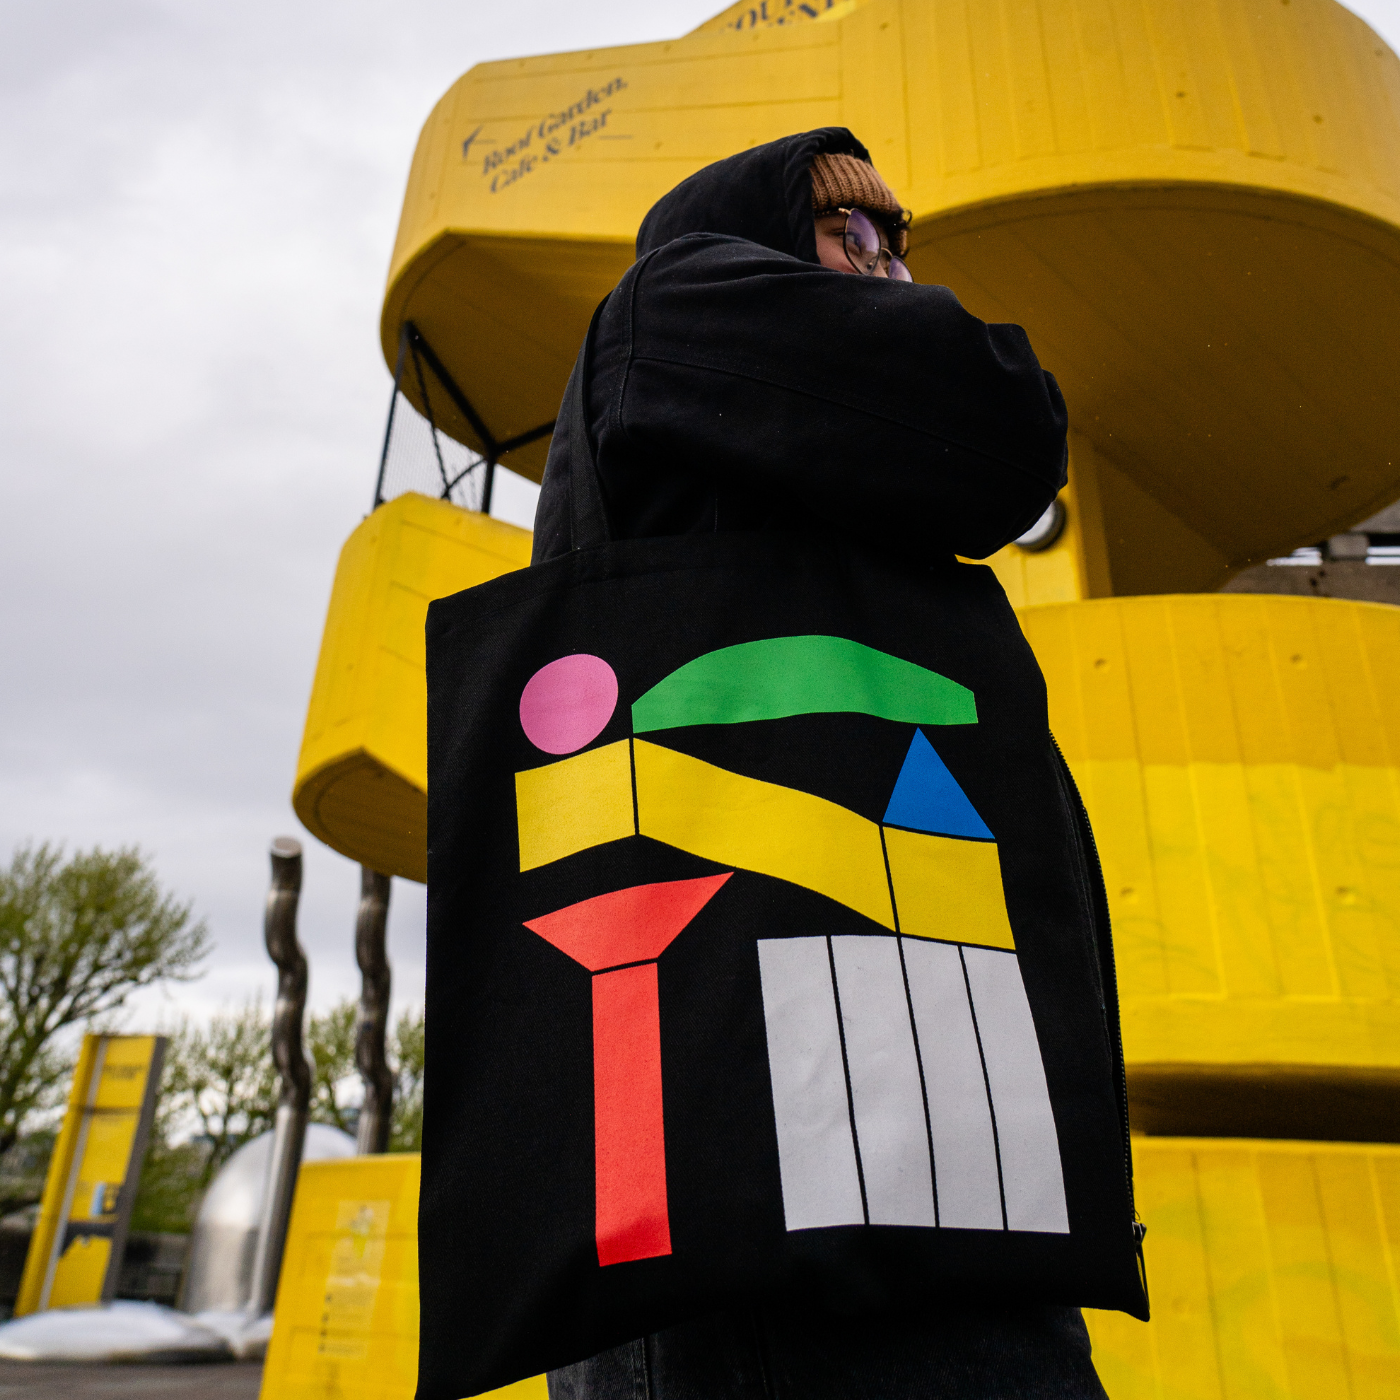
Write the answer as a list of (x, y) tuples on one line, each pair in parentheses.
[(1271, 1267), (346, 1323), (362, 778), (1240, 757)]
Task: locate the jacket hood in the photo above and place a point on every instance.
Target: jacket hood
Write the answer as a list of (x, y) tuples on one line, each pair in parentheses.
[(763, 194)]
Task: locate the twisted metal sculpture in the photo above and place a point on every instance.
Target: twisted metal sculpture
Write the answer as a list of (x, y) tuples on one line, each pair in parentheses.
[(372, 1133), (289, 1131)]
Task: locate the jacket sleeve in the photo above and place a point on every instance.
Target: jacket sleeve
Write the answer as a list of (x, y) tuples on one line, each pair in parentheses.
[(878, 407)]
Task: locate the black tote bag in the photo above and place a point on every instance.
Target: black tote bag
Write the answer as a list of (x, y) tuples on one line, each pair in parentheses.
[(768, 954)]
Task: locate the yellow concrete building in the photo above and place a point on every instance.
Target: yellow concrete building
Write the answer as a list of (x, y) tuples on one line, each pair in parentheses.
[(1193, 206)]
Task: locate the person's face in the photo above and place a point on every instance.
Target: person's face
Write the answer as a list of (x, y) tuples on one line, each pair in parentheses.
[(831, 246)]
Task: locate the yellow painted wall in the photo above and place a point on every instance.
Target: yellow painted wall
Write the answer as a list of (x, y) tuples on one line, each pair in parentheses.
[(362, 776), (1272, 1268), (1240, 757)]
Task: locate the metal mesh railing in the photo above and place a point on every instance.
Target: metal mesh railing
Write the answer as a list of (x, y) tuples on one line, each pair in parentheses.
[(420, 457), (417, 454)]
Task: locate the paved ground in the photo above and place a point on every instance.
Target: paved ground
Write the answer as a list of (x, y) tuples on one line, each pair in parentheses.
[(229, 1381)]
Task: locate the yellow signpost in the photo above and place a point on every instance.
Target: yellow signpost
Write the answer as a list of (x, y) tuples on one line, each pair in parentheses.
[(75, 1253)]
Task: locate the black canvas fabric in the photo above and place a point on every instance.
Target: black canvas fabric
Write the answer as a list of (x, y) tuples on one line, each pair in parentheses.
[(739, 385), (524, 1191)]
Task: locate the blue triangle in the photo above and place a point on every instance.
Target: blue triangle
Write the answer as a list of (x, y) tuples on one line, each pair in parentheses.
[(927, 797)]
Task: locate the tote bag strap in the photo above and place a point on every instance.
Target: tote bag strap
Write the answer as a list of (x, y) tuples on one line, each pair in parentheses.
[(588, 512)]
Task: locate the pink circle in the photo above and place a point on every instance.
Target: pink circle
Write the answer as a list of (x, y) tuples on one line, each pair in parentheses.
[(566, 704)]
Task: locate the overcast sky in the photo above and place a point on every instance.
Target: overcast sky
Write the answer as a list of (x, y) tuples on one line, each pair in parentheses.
[(196, 212)]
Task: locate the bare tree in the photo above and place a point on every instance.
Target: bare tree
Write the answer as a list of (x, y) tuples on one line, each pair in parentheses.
[(77, 937)]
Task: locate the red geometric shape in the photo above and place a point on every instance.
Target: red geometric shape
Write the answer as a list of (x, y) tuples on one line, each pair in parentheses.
[(633, 926), (626, 926), (632, 1221)]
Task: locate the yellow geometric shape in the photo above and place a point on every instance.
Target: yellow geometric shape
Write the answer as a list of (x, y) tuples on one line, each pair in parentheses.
[(1149, 190), (574, 804), (1240, 758), (362, 777), (778, 831), (100, 1145), (948, 889), (1271, 1270), (944, 888)]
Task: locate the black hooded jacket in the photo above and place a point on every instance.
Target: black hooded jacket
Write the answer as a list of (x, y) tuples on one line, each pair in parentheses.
[(736, 384)]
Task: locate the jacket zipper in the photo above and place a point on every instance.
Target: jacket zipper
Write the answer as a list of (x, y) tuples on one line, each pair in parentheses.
[(1110, 975)]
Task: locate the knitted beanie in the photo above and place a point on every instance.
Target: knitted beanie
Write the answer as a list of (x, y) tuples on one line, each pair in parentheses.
[(841, 181)]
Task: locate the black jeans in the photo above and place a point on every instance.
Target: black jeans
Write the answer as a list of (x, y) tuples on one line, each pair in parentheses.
[(959, 1354)]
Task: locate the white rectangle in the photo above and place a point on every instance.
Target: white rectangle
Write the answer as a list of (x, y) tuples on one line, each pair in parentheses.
[(1031, 1176), (964, 1147), (891, 1129), (816, 1150)]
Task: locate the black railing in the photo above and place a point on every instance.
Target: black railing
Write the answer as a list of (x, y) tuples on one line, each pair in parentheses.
[(417, 454)]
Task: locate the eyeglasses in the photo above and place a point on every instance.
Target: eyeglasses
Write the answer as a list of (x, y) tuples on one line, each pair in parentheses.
[(864, 251)]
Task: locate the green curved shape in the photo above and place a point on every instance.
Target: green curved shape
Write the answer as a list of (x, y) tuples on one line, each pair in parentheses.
[(801, 676)]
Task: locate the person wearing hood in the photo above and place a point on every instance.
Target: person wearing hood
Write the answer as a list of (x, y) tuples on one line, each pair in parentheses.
[(736, 384)]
